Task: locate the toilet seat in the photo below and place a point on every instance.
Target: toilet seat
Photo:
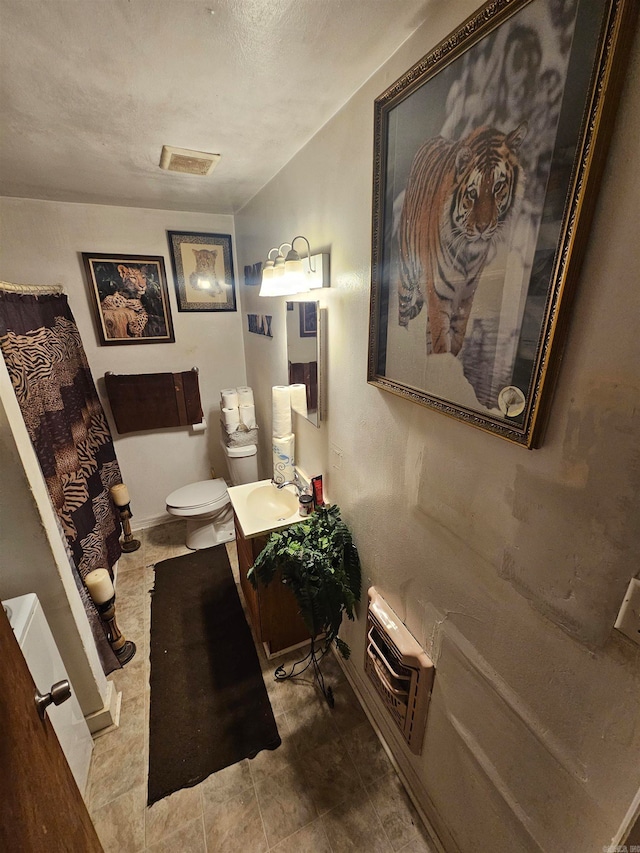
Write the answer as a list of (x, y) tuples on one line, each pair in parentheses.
[(205, 496)]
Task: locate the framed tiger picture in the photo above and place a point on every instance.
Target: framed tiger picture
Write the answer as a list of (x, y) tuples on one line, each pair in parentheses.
[(202, 271), (487, 158)]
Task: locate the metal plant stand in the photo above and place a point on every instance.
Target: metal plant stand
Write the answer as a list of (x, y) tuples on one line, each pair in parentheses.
[(312, 659)]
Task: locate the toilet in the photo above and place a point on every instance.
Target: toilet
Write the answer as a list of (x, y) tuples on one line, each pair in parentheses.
[(206, 505)]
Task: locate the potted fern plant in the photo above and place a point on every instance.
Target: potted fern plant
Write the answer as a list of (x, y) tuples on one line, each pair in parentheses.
[(317, 559)]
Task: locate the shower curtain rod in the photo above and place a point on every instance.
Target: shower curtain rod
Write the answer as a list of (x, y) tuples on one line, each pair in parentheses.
[(32, 289)]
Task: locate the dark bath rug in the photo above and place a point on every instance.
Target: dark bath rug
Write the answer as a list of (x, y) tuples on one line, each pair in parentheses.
[(209, 705)]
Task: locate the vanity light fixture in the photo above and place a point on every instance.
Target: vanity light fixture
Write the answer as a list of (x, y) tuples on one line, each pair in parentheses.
[(286, 276), (294, 274), (273, 273)]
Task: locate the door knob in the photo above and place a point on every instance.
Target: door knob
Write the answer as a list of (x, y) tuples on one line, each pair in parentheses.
[(60, 692)]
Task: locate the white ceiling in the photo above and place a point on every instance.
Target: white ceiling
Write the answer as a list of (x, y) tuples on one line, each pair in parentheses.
[(92, 89)]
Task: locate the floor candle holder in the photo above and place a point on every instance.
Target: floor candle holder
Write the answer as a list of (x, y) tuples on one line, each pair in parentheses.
[(120, 497), (128, 543), (123, 649), (101, 590)]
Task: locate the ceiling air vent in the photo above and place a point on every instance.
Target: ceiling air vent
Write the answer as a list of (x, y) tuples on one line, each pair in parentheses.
[(188, 162)]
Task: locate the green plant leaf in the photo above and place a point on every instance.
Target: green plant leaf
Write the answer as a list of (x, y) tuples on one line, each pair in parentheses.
[(343, 648), (318, 561)]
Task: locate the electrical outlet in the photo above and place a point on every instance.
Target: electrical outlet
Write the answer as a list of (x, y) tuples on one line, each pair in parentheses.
[(628, 621)]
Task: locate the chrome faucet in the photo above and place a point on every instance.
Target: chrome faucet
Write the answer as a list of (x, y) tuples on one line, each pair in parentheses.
[(295, 482)]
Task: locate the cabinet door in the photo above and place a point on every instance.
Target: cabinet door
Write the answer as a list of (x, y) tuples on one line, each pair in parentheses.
[(280, 616), (273, 609)]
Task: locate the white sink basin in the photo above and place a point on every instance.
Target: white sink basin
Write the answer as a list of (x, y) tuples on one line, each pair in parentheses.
[(261, 507), (271, 504)]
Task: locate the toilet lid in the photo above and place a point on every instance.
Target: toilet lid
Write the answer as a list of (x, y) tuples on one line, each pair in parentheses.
[(201, 494)]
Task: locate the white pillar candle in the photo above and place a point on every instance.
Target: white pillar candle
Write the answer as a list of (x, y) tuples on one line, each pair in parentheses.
[(99, 585), (119, 494)]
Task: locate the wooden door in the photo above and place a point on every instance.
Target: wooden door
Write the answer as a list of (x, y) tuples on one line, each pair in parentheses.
[(41, 808)]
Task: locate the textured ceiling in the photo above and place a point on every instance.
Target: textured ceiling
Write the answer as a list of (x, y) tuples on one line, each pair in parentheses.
[(92, 89)]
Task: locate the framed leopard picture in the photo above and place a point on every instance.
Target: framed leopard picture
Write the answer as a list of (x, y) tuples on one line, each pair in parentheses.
[(130, 298), (203, 271)]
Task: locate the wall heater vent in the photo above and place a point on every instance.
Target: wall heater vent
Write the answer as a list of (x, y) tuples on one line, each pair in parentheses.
[(400, 669)]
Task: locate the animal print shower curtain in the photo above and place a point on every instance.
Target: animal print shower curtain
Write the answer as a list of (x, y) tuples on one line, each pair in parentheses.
[(66, 423)]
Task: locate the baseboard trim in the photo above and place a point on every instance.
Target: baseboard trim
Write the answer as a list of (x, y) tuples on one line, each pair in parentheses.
[(273, 655), (154, 521), (108, 717), (629, 823)]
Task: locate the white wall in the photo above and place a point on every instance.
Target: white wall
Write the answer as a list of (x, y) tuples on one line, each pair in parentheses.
[(41, 244), (508, 565)]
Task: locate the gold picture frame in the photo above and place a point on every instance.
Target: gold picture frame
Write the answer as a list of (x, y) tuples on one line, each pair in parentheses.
[(487, 158)]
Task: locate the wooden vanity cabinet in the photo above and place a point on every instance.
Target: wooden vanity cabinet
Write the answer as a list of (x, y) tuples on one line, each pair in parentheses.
[(273, 609)]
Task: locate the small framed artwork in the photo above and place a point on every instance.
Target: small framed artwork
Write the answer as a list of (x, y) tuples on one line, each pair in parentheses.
[(130, 298), (308, 319), (253, 274), (202, 271), (260, 324), (487, 158)]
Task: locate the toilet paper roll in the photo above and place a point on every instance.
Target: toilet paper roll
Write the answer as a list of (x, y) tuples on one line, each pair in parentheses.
[(299, 398), (245, 396), (231, 418), (201, 427), (284, 463), (281, 410), (229, 398), (248, 416)]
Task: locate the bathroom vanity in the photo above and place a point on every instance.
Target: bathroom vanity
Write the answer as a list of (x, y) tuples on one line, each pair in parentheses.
[(273, 609), (260, 508)]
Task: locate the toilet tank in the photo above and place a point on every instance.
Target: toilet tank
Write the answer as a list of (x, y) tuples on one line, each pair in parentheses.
[(242, 463)]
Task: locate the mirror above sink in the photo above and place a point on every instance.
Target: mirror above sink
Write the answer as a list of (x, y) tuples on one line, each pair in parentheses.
[(304, 335)]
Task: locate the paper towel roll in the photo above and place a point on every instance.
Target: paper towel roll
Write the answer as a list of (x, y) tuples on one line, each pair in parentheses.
[(299, 398), (281, 411), (229, 398), (245, 396), (231, 418), (284, 458), (248, 416)]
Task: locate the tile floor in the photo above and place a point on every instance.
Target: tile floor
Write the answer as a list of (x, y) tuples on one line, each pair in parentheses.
[(328, 788)]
